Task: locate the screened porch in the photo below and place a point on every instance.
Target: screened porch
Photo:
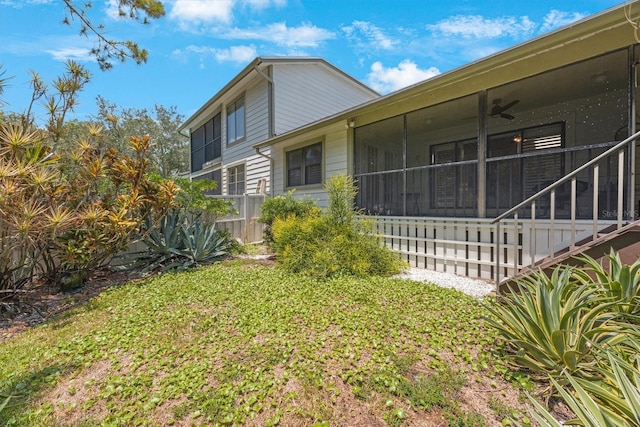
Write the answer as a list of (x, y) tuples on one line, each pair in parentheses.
[(479, 155)]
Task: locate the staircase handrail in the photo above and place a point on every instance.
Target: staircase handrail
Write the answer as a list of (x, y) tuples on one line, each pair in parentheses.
[(566, 178)]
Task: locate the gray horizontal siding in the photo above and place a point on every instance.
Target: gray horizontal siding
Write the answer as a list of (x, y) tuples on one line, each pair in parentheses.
[(305, 93)]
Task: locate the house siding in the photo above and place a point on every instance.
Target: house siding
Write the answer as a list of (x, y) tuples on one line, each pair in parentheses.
[(306, 93), (256, 130), (295, 83), (335, 159)]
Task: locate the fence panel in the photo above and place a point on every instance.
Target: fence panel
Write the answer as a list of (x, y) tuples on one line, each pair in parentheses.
[(243, 225)]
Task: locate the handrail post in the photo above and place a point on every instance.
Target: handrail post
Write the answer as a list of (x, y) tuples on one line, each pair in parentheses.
[(532, 239), (573, 211), (620, 186), (552, 222), (497, 258), (515, 243), (596, 194)]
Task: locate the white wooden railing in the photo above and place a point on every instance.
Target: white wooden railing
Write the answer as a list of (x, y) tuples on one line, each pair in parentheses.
[(576, 233)]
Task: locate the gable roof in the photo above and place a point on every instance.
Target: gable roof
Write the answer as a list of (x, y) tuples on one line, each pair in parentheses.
[(589, 37), (266, 61)]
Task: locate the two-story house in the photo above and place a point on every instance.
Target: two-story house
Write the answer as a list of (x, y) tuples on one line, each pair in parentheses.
[(502, 164), (270, 96)]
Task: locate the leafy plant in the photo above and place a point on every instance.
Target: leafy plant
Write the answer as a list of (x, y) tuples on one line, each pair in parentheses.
[(579, 326), (611, 402), (324, 244), (67, 209), (551, 323), (178, 242), (619, 282), (282, 206), (201, 243), (192, 197)]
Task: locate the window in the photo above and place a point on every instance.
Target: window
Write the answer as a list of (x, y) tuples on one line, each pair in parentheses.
[(205, 143), (522, 162), (454, 187), (216, 176), (235, 180), (235, 121), (304, 165)]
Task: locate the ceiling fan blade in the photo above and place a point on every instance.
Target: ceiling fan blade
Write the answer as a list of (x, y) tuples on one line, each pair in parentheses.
[(511, 104), (507, 116)]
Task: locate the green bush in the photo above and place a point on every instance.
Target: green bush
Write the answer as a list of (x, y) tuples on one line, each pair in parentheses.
[(283, 206), (192, 198), (178, 242), (324, 244), (579, 327), (551, 324)]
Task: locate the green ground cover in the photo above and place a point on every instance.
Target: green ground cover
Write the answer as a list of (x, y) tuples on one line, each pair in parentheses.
[(239, 343)]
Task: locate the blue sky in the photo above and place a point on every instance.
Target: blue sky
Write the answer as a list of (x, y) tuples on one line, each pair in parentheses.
[(202, 44)]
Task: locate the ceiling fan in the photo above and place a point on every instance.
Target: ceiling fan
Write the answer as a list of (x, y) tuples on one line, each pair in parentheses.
[(499, 110)]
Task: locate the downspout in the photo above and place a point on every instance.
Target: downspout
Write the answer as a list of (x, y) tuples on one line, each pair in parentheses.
[(266, 156), (271, 125)]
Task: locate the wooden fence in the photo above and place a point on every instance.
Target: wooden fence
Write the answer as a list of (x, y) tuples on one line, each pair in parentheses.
[(244, 224)]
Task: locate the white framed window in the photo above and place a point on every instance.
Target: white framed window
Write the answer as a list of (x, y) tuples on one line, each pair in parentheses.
[(304, 165), (235, 180), (235, 121)]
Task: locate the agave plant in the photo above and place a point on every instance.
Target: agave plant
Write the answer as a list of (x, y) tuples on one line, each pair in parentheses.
[(551, 323), (613, 401), (619, 282), (202, 243), (177, 243)]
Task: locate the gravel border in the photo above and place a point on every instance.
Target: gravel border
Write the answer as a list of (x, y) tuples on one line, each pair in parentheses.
[(475, 288)]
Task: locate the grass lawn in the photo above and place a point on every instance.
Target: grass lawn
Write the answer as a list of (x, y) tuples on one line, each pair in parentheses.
[(239, 343)]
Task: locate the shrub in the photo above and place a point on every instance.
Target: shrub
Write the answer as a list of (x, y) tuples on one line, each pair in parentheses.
[(324, 244), (619, 282), (579, 327), (192, 197), (611, 401), (66, 212), (178, 242), (283, 206), (553, 323)]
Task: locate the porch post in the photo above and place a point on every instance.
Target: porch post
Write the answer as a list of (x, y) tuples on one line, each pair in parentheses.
[(482, 154), (631, 152)]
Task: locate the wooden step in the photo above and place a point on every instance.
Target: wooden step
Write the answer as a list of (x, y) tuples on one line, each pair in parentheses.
[(625, 241)]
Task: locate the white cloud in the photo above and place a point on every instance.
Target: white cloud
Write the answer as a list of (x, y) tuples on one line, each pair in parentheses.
[(239, 54), (202, 11), (19, 3), (478, 27), (75, 53), (305, 35), (190, 12), (111, 9), (263, 4), (374, 36), (556, 19), (386, 80)]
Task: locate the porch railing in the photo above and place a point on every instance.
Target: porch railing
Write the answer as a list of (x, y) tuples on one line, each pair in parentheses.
[(530, 204)]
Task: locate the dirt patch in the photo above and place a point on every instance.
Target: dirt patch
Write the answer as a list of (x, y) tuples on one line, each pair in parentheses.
[(43, 301), (70, 398)]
